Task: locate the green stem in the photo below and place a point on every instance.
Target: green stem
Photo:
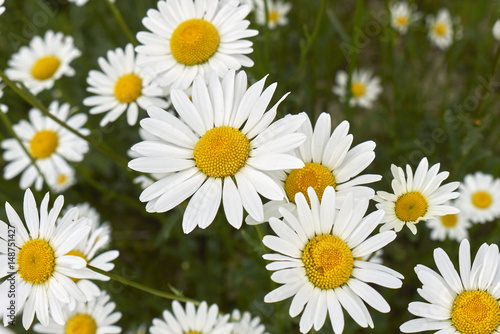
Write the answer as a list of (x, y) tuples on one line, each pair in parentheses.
[(121, 22)]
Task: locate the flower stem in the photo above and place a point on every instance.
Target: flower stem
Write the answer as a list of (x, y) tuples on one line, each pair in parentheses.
[(121, 22)]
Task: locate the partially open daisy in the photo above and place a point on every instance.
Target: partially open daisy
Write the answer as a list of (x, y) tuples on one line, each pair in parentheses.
[(328, 161), (452, 226), (245, 324), (466, 301), (50, 145), (80, 3), (480, 197), (121, 86), (43, 266), (95, 316), (43, 62), (363, 90), (440, 29), (316, 260), (276, 13), (416, 197), (190, 38), (403, 15), (223, 135), (191, 320)]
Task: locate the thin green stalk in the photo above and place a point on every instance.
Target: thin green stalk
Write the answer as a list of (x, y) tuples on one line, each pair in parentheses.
[(121, 22)]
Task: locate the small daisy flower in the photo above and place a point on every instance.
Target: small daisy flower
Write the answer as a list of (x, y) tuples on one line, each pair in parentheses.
[(453, 226), (480, 197), (190, 38), (329, 161), (466, 301), (416, 197), (403, 15), (2, 7), (245, 324), (316, 260), (276, 13), (62, 181), (121, 87), (440, 29), (51, 145), (223, 135), (43, 62), (364, 88), (43, 264), (95, 316), (202, 320), (496, 30), (87, 211)]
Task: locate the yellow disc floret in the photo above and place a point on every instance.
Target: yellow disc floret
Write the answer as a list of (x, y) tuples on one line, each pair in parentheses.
[(440, 29), (36, 261), (358, 89), (128, 88), (221, 151), (45, 67), (328, 261), (482, 199), (311, 175), (449, 220), (402, 21), (43, 144), (475, 312), (273, 16), (81, 323), (194, 41), (411, 206)]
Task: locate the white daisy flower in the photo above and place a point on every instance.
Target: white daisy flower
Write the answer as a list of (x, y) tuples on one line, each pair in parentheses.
[(87, 211), (43, 268), (95, 316), (51, 145), (316, 261), (440, 29), (416, 197), (3, 107), (224, 135), (43, 62), (496, 30), (190, 38), (480, 197), (466, 301), (202, 320), (2, 7), (403, 15), (62, 181), (245, 324), (120, 87), (79, 2), (363, 91), (276, 13), (453, 226), (329, 161)]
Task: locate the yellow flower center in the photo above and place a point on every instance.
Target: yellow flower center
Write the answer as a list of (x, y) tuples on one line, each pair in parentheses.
[(43, 144), (482, 199), (402, 21), (358, 89), (81, 323), (128, 88), (273, 16), (221, 151), (411, 206), (328, 261), (311, 175), (75, 252), (440, 29), (449, 220), (61, 179), (194, 41), (45, 67), (36, 261), (475, 312)]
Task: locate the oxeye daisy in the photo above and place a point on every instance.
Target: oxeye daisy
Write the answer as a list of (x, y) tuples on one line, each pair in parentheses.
[(50, 145), (245, 324), (496, 30), (316, 260), (43, 268), (466, 301), (402, 15), (120, 87), (95, 316), (43, 62), (276, 13), (416, 197), (480, 197), (452, 226), (440, 29), (80, 2), (328, 161), (364, 88), (220, 148), (191, 320), (190, 38), (62, 181)]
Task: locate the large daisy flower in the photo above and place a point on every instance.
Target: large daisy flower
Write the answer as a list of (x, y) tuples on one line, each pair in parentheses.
[(440, 29), (276, 13), (316, 260), (120, 87), (466, 301), (480, 197), (402, 15), (416, 197), (43, 267), (188, 38), (329, 161), (245, 324), (95, 316), (43, 62), (364, 88), (51, 145), (202, 320), (223, 135), (453, 226)]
